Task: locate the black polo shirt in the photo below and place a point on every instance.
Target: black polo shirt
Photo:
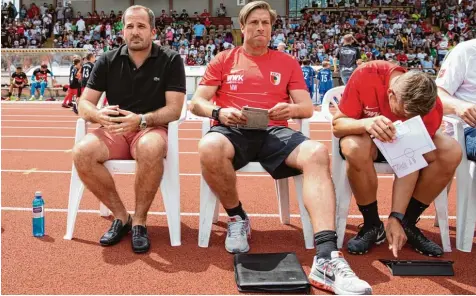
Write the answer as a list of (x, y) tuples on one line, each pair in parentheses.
[(138, 90)]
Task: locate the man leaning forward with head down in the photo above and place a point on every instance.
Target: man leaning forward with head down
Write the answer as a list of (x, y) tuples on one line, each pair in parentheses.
[(145, 87), (378, 94), (252, 75)]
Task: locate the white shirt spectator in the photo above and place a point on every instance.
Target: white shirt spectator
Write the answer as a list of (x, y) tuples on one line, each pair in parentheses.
[(67, 26), (458, 74), (81, 25)]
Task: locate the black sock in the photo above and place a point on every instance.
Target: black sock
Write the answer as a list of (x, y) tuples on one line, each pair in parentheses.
[(326, 242), (9, 93), (370, 213), (414, 210), (236, 211)]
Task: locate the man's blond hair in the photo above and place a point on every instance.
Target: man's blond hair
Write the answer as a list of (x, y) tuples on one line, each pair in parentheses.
[(418, 93), (248, 8)]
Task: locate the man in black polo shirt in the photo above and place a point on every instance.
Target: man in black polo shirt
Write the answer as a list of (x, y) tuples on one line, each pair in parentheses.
[(145, 87)]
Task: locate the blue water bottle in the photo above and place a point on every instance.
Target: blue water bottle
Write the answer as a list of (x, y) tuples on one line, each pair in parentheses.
[(38, 215)]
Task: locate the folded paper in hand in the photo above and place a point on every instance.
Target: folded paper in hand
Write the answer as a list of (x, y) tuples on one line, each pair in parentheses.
[(257, 118), (405, 154)]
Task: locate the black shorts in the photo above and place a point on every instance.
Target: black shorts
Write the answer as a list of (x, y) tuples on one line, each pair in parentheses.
[(380, 157), (269, 147)]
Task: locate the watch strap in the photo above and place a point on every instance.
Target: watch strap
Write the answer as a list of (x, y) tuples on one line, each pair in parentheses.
[(216, 114), (143, 122), (398, 216)]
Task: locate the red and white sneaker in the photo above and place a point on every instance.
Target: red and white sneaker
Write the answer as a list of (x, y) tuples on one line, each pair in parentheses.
[(239, 231), (335, 275)]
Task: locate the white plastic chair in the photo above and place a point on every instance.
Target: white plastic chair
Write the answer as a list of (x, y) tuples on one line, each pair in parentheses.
[(169, 186), (465, 192), (344, 192), (210, 205)]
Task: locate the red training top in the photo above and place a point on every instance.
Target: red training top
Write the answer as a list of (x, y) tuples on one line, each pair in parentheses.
[(366, 96), (254, 81)]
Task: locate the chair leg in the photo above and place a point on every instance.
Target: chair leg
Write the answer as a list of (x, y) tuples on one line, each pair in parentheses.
[(170, 188), (343, 197), (466, 206), (282, 191), (305, 219), (76, 190), (208, 205), (441, 205), (216, 213), (103, 210)]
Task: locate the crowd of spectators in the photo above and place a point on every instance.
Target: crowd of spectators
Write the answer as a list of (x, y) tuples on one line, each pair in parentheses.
[(416, 35)]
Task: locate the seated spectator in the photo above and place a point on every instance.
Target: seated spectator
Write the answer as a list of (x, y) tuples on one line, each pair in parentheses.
[(221, 11), (456, 90), (205, 13), (427, 66)]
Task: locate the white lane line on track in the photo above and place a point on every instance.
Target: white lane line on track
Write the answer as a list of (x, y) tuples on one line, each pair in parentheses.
[(37, 127), (20, 120), (72, 128), (181, 174), (65, 151), (61, 137), (196, 214), (35, 115), (41, 137)]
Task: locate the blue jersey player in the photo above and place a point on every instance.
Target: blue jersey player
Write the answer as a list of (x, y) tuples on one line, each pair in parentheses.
[(325, 80), (309, 75)]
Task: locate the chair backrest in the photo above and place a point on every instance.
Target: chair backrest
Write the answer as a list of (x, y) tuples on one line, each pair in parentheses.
[(331, 97)]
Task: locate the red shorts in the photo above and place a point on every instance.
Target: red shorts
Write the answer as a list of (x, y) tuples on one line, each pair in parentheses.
[(123, 147)]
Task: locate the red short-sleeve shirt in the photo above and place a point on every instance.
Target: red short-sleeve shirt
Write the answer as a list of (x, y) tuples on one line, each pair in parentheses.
[(366, 96), (255, 81)]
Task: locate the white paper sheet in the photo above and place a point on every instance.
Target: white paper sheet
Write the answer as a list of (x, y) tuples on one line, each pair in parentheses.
[(405, 154)]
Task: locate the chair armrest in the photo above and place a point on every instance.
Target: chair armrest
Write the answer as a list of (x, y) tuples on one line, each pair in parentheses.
[(81, 130), (304, 126), (452, 120), (458, 130), (206, 125)]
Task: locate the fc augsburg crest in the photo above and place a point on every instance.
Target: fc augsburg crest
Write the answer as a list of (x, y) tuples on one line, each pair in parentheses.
[(275, 78)]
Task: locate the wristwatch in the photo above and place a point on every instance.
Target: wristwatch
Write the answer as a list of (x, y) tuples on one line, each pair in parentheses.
[(143, 122), (398, 216), (216, 114)]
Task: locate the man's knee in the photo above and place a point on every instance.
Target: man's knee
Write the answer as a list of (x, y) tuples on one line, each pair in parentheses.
[(315, 153), (151, 148), (88, 151), (357, 149), (449, 154), (214, 148)]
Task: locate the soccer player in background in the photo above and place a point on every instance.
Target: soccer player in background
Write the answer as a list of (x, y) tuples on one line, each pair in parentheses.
[(309, 78), (39, 79), (325, 80), (19, 81), (85, 74), (74, 84)]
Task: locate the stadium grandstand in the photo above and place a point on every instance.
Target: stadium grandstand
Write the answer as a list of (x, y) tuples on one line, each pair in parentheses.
[(413, 33)]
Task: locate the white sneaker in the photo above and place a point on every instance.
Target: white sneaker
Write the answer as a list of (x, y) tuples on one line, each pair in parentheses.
[(335, 275), (239, 231), (41, 98)]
